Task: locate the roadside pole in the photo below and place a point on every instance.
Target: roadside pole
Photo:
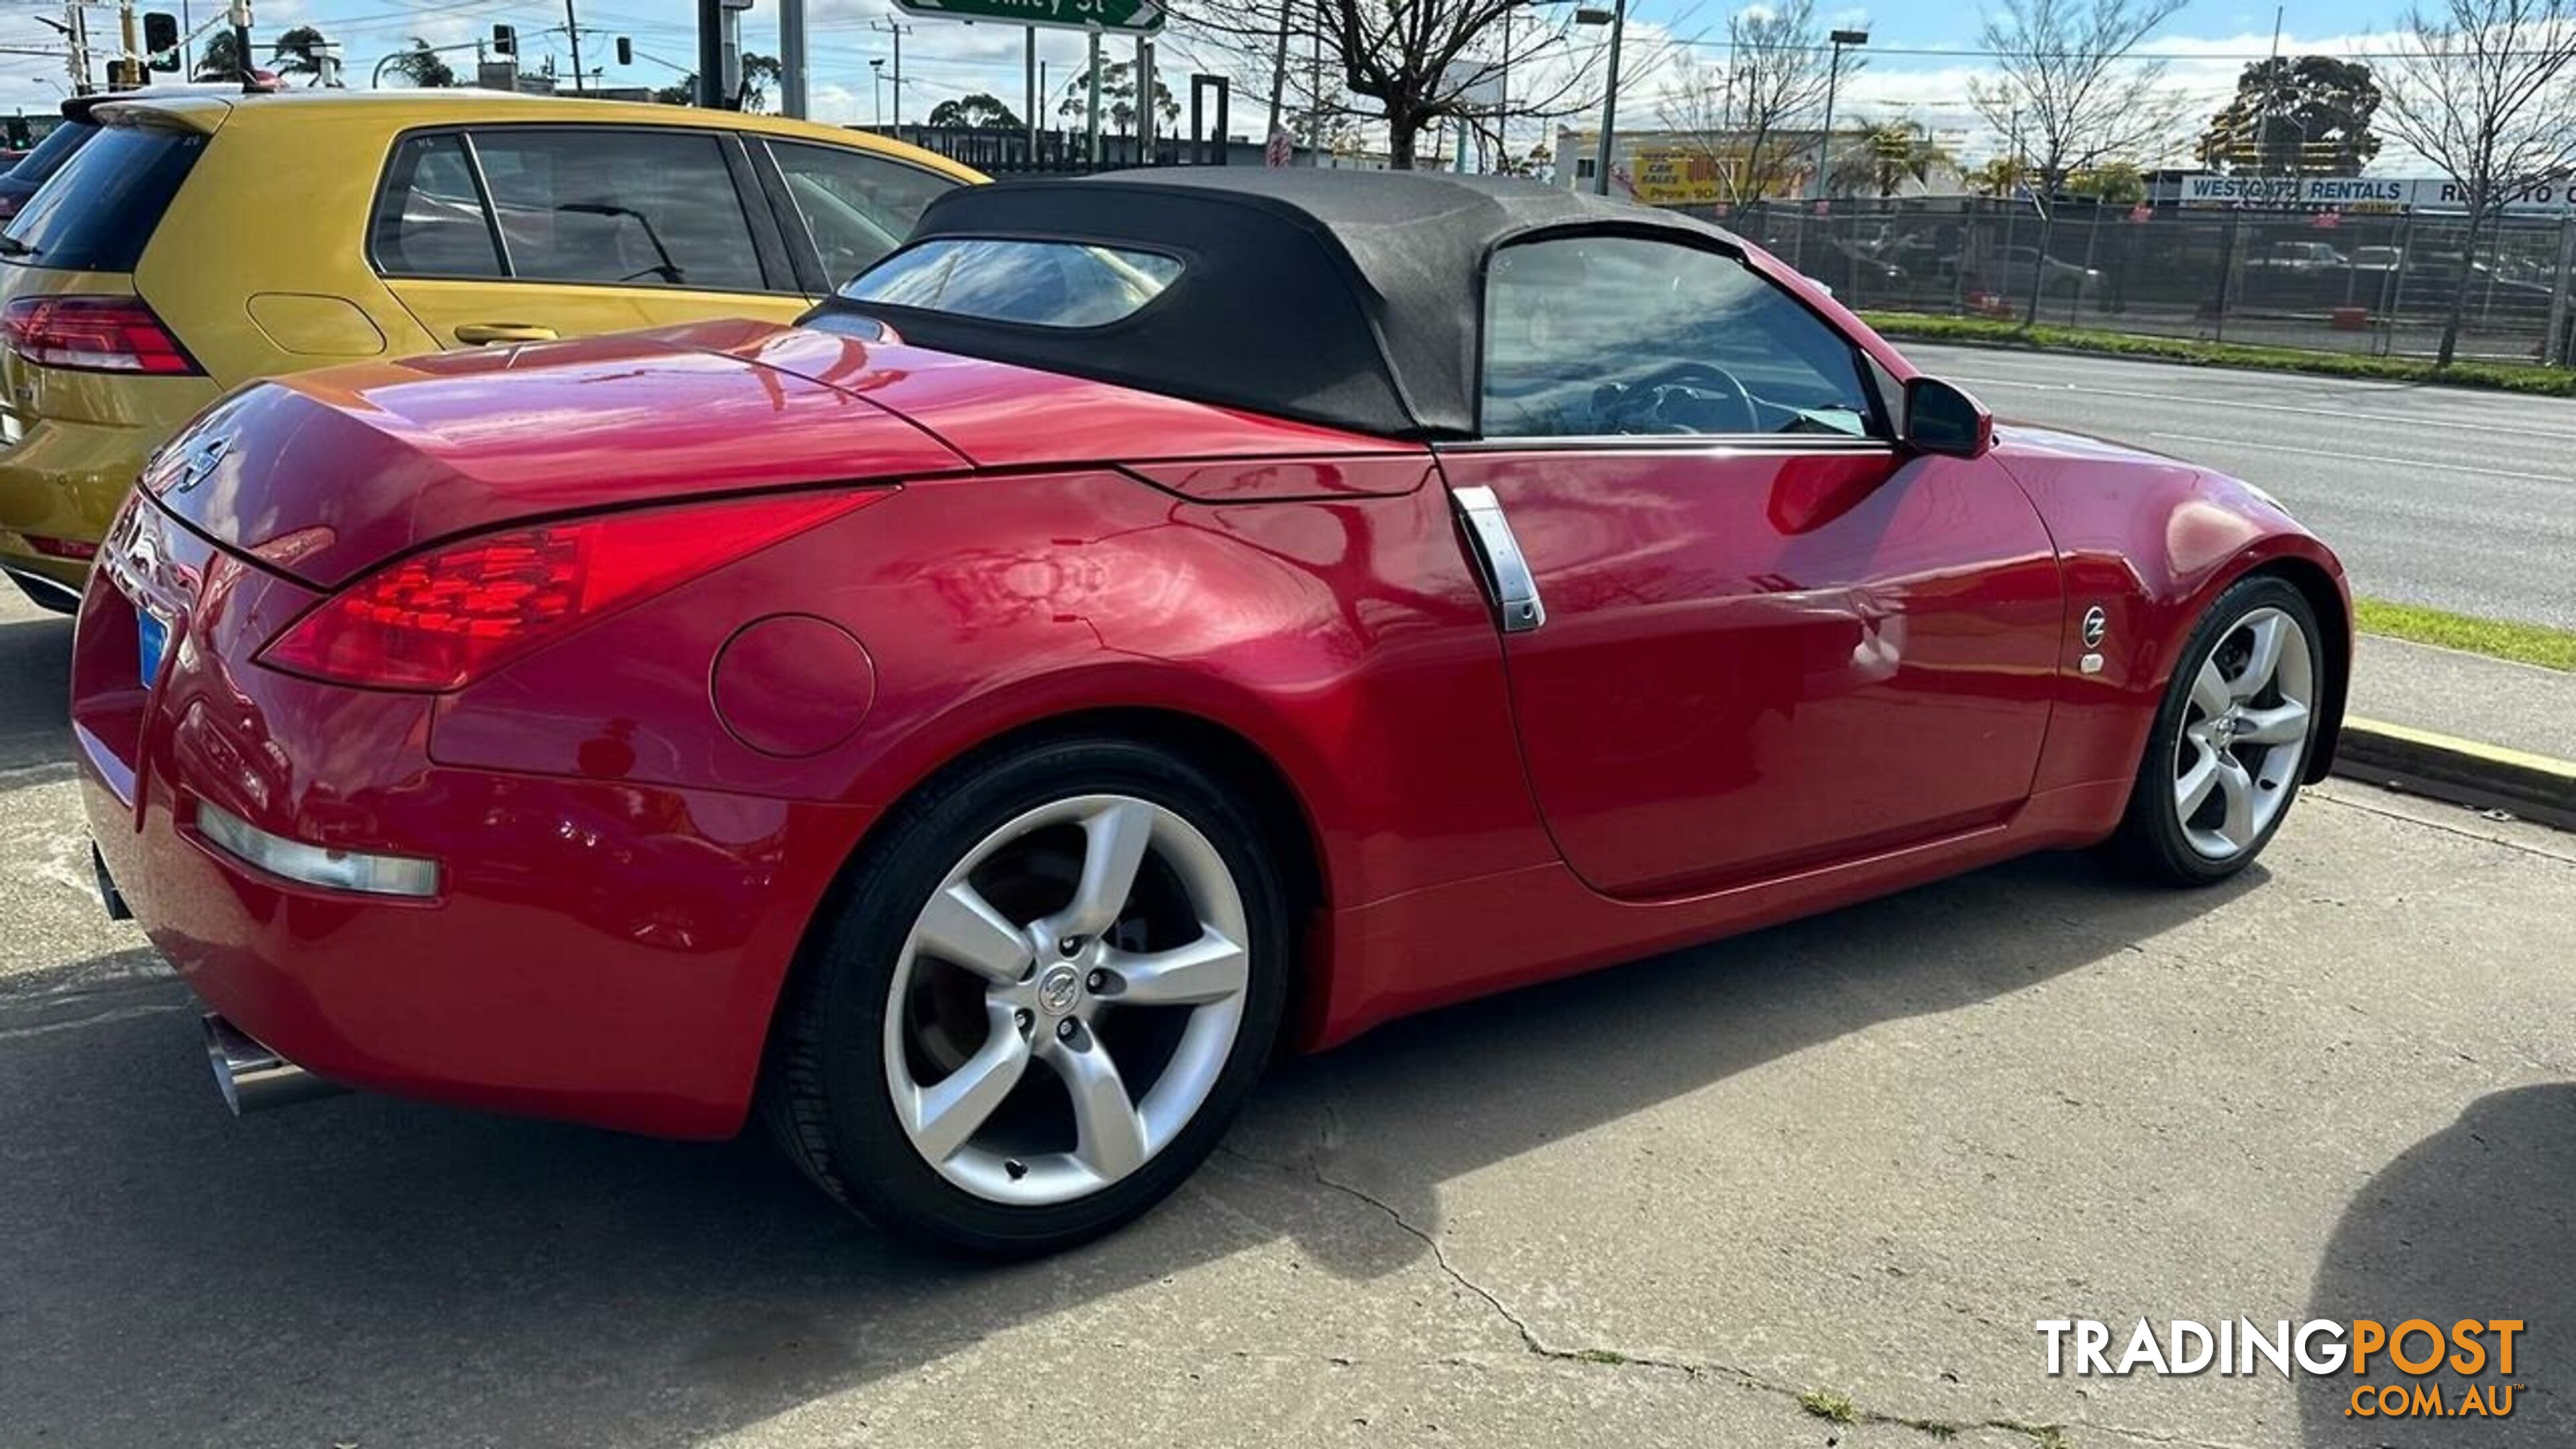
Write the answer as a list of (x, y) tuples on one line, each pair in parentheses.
[(795, 63), (1315, 103), (1092, 123), (712, 18), (572, 27), (1029, 63), (1144, 82), (129, 66), (1279, 71)]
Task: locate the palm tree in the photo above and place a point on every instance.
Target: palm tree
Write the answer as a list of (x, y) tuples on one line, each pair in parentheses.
[(422, 66), (222, 60), (299, 52), (1886, 155)]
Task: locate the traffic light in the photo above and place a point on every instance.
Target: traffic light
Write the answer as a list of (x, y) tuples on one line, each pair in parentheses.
[(625, 51), (161, 40), (505, 39)]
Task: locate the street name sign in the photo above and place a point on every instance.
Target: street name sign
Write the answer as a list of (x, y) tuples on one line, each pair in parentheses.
[(1133, 17)]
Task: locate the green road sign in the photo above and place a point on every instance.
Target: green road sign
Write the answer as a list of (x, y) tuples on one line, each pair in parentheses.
[(1137, 17)]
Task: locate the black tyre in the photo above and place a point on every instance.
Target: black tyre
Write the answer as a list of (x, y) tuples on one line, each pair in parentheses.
[(2230, 742), (1050, 983)]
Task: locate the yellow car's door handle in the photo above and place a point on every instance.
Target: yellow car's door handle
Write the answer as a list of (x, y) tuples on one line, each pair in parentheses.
[(480, 334)]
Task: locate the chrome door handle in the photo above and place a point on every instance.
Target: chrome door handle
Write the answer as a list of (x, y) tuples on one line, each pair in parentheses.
[(1498, 556)]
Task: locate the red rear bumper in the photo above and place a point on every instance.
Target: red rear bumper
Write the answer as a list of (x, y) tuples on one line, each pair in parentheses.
[(598, 950)]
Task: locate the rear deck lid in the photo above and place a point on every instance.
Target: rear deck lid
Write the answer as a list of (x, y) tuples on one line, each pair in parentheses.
[(326, 474)]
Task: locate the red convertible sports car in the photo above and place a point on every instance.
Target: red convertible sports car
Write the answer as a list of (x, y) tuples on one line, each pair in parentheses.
[(1146, 623)]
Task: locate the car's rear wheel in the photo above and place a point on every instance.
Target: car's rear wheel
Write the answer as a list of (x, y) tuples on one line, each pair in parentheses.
[(1051, 985), (2230, 742)]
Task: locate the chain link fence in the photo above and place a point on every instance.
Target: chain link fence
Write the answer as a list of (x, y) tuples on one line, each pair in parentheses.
[(2363, 283)]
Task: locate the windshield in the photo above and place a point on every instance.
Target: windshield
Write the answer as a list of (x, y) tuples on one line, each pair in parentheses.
[(1034, 283)]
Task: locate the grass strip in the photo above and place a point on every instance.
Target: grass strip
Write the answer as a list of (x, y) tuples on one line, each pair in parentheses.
[(2000, 332), (2523, 643)]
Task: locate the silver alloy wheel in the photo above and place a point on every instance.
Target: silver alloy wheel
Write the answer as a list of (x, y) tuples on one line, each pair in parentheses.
[(1048, 986), (2244, 733)]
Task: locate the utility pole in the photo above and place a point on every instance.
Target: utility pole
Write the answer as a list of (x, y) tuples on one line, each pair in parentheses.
[(719, 42), (76, 46), (1315, 102), (572, 27), (1279, 73), (898, 30), (1029, 64), (1144, 80), (1093, 124), (129, 67), (241, 39), (1618, 18), (795, 63)]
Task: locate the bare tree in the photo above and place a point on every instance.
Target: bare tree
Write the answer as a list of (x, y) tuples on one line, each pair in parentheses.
[(1416, 63), (2481, 89), (1749, 113), (2067, 88)]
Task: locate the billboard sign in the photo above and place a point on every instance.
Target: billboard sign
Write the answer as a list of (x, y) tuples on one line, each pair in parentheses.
[(2361, 193)]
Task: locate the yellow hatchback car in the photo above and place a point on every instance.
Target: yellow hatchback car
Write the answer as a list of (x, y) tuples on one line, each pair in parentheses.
[(201, 241)]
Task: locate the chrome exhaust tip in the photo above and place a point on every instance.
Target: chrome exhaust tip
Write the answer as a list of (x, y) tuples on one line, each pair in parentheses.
[(254, 1078)]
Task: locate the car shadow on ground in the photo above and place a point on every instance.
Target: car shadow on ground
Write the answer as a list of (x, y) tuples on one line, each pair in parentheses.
[(2472, 1222), (35, 690), (389, 1273)]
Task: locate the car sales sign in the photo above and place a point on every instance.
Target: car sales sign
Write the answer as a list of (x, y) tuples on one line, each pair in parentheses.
[(2358, 193), (1138, 17)]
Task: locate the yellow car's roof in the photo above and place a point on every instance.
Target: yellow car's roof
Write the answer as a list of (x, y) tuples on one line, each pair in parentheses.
[(392, 111)]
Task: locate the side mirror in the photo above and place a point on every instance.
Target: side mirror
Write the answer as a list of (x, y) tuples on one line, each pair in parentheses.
[(1941, 418)]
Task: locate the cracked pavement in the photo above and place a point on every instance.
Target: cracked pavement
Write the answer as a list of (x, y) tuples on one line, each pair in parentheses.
[(1858, 1156)]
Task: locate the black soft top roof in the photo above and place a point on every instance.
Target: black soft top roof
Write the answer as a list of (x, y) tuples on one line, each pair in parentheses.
[(1348, 298)]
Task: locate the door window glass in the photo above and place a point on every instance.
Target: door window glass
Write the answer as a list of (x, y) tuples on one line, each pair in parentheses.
[(430, 221), (857, 207), (1610, 335), (633, 208)]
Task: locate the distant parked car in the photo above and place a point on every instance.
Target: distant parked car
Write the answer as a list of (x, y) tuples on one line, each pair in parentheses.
[(2300, 256), (2008, 270)]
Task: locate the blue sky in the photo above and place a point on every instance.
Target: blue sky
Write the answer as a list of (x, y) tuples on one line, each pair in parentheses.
[(2210, 40)]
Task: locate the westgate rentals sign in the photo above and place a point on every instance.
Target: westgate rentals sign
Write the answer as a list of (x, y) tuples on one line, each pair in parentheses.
[(2361, 193)]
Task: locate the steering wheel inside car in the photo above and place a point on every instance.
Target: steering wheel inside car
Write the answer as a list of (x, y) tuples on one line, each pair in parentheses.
[(1680, 397)]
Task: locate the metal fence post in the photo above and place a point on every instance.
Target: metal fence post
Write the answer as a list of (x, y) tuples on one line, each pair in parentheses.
[(2394, 292), (2226, 268), (2553, 348)]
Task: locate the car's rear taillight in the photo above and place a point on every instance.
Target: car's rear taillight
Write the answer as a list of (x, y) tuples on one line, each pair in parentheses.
[(95, 334), (440, 619)]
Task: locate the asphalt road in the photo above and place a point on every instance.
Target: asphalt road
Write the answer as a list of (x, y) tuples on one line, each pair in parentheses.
[(1862, 1155), (2458, 499)]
